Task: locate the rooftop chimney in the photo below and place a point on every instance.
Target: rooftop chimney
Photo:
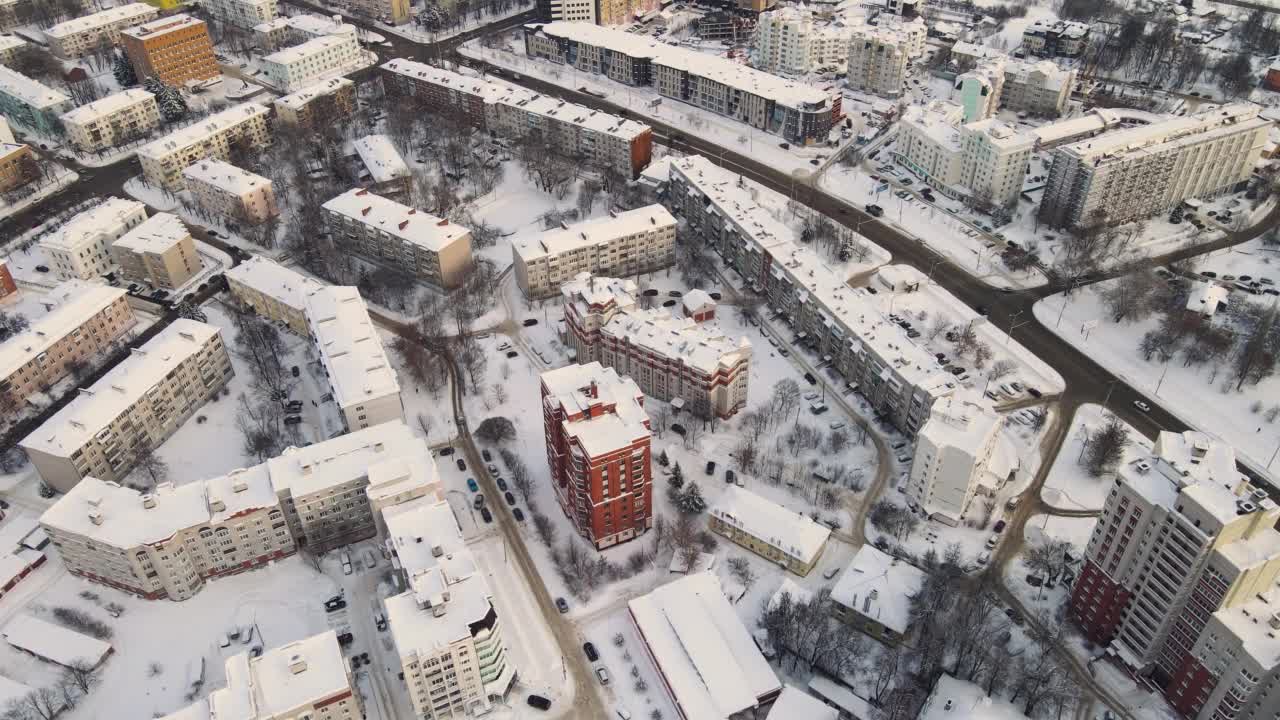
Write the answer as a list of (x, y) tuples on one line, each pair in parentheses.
[(297, 663), (148, 501)]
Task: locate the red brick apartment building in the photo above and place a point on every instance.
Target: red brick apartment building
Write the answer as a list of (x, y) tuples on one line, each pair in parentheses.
[(597, 435)]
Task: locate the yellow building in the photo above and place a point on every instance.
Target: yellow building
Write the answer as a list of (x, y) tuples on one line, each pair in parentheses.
[(164, 4), (769, 530)]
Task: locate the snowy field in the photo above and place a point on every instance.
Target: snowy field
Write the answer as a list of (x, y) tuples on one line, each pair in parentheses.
[(1069, 486)]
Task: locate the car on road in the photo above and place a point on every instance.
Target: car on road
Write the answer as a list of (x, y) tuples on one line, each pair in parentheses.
[(1034, 392), (445, 452), (334, 604), (590, 651), (539, 702), (479, 501), (511, 499), (875, 210), (502, 484), (292, 419), (603, 675), (42, 268), (488, 456), (530, 322), (562, 605), (380, 621), (486, 515), (809, 378), (462, 464), (982, 310), (1000, 526), (1142, 406), (992, 542), (518, 514), (472, 486), (512, 353)]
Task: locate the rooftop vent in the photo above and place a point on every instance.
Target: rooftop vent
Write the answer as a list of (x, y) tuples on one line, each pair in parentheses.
[(148, 501), (297, 663), (95, 517)]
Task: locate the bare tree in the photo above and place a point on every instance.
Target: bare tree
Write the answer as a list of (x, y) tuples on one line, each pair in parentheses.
[(740, 569), (146, 458)]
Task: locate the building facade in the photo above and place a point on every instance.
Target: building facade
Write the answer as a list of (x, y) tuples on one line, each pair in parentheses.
[(7, 286), (1137, 172), (18, 165), (953, 451), (790, 539), (28, 103), (427, 247), (224, 189), (159, 252), (273, 291), (623, 145), (164, 160), (10, 46), (874, 594), (316, 106), (983, 163), (81, 248), (279, 32), (241, 13), (85, 320), (877, 61), (675, 360), (114, 120), (316, 60), (86, 34), (175, 49), (1056, 38), (792, 40), (597, 435), (626, 243), (138, 404), (362, 381)]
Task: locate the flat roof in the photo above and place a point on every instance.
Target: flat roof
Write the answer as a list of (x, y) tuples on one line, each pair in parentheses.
[(306, 470), (95, 407), (200, 131), (400, 221), (285, 286), (300, 673), (10, 42), (879, 587), (954, 699), (965, 419), (722, 70), (156, 234), (595, 232), (681, 340), (161, 26), (107, 106), (75, 301), (381, 158), (796, 704), (937, 121), (310, 48), (569, 388), (297, 100), (53, 642), (704, 652), (98, 20), (29, 92), (86, 226), (345, 336), (795, 534), (1169, 132), (224, 176)]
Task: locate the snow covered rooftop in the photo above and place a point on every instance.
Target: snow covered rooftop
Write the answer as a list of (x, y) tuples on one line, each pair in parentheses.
[(1167, 133), (53, 642), (841, 696), (75, 301), (937, 121), (1053, 77), (224, 176), (1251, 624), (1206, 297), (96, 407), (680, 340), (156, 234), (12, 691), (586, 290), (576, 388), (306, 470), (306, 23), (84, 23), (704, 652), (381, 158), (1001, 134), (311, 48), (594, 232), (353, 353), (202, 130), (967, 49), (107, 106), (296, 101), (795, 534), (88, 225), (162, 26), (965, 419), (722, 70), (1191, 467), (29, 92), (10, 42), (954, 699), (796, 704), (287, 287), (879, 587), (400, 221), (1068, 28), (696, 300), (305, 672)]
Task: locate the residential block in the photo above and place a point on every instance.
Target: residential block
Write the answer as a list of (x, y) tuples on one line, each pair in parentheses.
[(175, 49), (160, 252), (230, 192), (81, 248), (164, 160), (114, 120)]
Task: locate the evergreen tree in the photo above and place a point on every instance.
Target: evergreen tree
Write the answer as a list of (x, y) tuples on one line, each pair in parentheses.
[(677, 476), (663, 460), (123, 70), (691, 500), (173, 106)]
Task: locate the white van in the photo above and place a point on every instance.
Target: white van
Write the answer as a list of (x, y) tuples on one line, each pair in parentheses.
[(346, 568)]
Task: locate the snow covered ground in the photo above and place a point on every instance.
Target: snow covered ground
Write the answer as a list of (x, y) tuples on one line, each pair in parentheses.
[(419, 35), (1069, 486), (1204, 397)]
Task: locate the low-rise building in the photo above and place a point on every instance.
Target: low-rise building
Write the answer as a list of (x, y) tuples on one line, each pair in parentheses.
[(159, 252), (446, 630), (951, 697), (953, 450), (175, 49), (273, 291), (86, 34), (81, 248), (622, 145), (114, 120), (877, 61), (1051, 38), (624, 243), (10, 46), (316, 106), (55, 644), (1037, 88), (363, 383), (875, 592), (279, 32), (86, 319), (427, 247), (304, 680), (388, 172), (694, 367), (1206, 298), (32, 104), (18, 165), (241, 13), (978, 90), (598, 437), (966, 55), (137, 405), (790, 539), (226, 190), (315, 60), (163, 160), (708, 663), (796, 703)]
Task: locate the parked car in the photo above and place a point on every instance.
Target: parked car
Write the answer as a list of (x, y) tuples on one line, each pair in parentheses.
[(444, 452), (539, 702), (530, 322), (711, 467), (1000, 526), (518, 514), (334, 604), (472, 486), (462, 465), (562, 605), (502, 484), (809, 378), (590, 651), (486, 515), (603, 675), (292, 419), (488, 457), (1142, 406), (511, 499), (875, 210), (479, 501)]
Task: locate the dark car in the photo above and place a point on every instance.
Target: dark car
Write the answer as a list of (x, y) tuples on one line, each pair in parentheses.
[(42, 268), (650, 292), (982, 309), (486, 515), (502, 484), (809, 378), (511, 499), (445, 452), (518, 513), (530, 322), (562, 605), (334, 604), (512, 353), (675, 293), (714, 295), (462, 464), (669, 303), (1000, 526), (539, 702), (711, 467), (346, 638), (488, 457), (295, 371), (292, 420), (1034, 392), (677, 428), (590, 650), (875, 210)]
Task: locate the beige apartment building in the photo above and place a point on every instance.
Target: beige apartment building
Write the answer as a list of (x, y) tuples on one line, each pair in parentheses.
[(226, 190), (363, 383), (304, 680), (877, 61), (159, 252), (17, 163), (623, 244), (273, 291), (81, 248), (9, 47), (163, 160), (430, 248), (788, 538), (176, 49), (139, 403), (113, 120), (83, 35), (85, 320), (317, 104)]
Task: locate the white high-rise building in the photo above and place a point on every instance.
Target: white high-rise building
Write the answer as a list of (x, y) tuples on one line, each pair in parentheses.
[(363, 382), (952, 452), (878, 60), (81, 248), (983, 162), (791, 40)]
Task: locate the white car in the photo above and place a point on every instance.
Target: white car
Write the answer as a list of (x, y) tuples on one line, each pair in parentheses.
[(1142, 406)]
